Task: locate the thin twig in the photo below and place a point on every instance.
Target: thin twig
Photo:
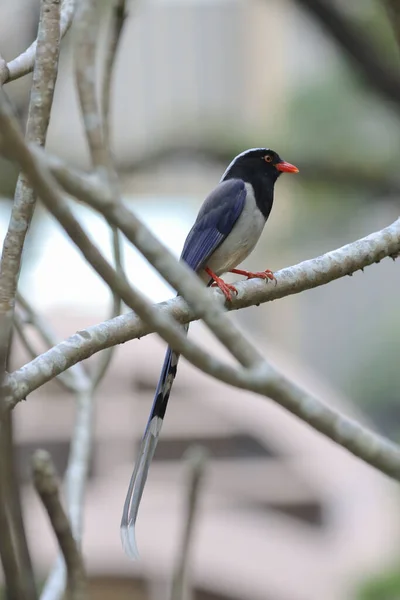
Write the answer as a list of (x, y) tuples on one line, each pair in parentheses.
[(86, 25), (46, 484), (65, 379), (26, 574), (79, 457), (24, 63), (196, 462), (117, 22), (75, 482), (19, 326), (105, 357), (14, 579), (74, 379)]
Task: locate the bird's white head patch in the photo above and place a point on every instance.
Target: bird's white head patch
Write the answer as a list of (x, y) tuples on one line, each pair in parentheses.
[(249, 151)]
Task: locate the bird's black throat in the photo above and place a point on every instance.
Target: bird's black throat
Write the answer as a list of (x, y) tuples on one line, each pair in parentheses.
[(263, 193), (262, 184)]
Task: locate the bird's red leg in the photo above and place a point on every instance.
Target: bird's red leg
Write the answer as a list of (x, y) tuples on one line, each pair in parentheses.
[(267, 274), (226, 288)]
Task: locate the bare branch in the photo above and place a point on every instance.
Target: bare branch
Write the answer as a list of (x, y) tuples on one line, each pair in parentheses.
[(24, 63), (20, 329), (75, 481), (96, 123), (304, 276), (44, 77), (18, 586), (13, 503), (196, 462), (78, 465), (105, 358), (86, 25), (360, 51), (71, 380), (45, 72), (46, 484), (117, 22), (266, 381)]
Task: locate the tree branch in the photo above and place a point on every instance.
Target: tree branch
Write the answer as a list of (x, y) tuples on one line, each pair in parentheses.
[(304, 276), (75, 482), (24, 63), (44, 77), (117, 22), (265, 380), (15, 585), (79, 458), (65, 379), (79, 383), (46, 484), (360, 51), (15, 516), (86, 25)]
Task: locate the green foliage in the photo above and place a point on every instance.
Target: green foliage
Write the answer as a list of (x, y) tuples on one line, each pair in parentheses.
[(383, 587)]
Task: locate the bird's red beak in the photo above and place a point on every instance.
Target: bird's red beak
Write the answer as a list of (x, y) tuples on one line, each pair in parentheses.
[(286, 167)]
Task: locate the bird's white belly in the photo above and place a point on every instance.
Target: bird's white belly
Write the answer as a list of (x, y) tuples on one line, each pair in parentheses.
[(242, 239)]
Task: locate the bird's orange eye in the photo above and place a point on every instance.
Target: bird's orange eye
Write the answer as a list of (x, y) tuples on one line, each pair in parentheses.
[(268, 158)]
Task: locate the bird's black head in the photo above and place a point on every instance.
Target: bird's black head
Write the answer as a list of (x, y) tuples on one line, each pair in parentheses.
[(259, 167)]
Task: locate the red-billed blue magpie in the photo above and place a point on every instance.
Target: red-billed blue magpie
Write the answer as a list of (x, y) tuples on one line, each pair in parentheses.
[(225, 232)]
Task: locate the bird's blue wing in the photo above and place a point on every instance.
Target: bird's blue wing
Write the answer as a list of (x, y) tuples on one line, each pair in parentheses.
[(216, 218)]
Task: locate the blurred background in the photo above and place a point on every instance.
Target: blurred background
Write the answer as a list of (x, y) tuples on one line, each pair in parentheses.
[(284, 513)]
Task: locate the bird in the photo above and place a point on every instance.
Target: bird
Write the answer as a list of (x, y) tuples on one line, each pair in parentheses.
[(226, 230)]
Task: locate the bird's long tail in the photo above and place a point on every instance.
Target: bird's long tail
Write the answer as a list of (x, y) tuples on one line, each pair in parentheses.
[(146, 452)]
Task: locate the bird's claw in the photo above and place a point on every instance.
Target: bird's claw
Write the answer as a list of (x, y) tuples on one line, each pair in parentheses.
[(267, 274), (226, 289)]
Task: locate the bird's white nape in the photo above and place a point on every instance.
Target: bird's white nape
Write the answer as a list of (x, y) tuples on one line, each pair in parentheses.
[(240, 156), (128, 540)]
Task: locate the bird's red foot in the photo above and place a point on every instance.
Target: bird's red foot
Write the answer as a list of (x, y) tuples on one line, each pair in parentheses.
[(267, 274), (226, 288)]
